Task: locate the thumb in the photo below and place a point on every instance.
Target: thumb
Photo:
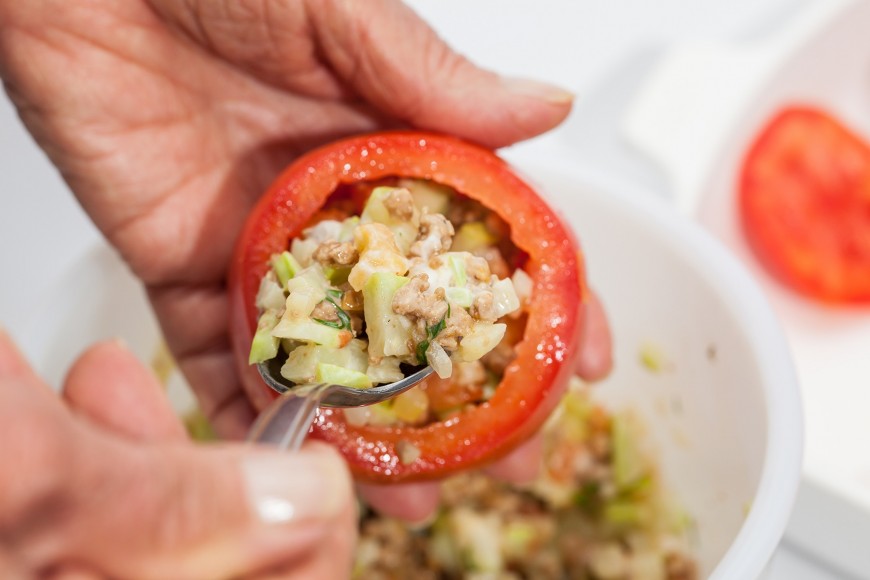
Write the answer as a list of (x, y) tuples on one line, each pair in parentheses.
[(182, 511)]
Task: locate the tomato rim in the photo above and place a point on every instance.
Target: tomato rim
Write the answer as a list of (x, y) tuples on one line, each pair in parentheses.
[(531, 386)]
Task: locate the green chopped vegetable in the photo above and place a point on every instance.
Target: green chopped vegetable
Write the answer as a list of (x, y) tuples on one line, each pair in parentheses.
[(343, 321), (264, 346), (457, 265), (459, 296), (285, 267), (431, 333), (336, 375), (388, 332)]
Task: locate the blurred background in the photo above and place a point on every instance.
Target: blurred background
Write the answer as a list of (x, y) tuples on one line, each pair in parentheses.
[(602, 51)]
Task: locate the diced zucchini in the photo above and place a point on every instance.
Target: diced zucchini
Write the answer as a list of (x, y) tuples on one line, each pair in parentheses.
[(517, 539), (459, 296), (337, 275), (285, 267), (388, 332), (626, 513), (336, 375), (264, 346), (311, 278), (310, 331), (457, 266), (472, 236), (303, 360), (628, 460), (433, 197), (483, 338)]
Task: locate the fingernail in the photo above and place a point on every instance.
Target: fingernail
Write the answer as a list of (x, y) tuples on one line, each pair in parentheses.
[(285, 488), (538, 90), (120, 343)]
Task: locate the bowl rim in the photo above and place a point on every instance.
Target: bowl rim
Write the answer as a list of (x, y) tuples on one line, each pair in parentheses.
[(770, 510)]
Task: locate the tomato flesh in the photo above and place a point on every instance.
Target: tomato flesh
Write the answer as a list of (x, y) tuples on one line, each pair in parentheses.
[(531, 386), (805, 205)]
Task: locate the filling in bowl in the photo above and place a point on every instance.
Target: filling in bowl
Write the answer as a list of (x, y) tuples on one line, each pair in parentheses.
[(598, 510), (422, 276)]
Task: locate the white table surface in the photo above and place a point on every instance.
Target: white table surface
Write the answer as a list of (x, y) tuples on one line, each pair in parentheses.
[(597, 49)]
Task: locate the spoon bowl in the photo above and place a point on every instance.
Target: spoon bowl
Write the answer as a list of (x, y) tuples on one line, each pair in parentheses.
[(287, 420)]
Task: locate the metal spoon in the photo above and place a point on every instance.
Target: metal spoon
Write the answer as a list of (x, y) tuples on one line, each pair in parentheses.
[(286, 421)]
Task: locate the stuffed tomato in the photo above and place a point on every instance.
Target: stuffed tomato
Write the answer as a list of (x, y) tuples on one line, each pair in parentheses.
[(374, 255)]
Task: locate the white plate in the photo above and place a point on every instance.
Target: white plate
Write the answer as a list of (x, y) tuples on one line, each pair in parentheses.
[(696, 116)]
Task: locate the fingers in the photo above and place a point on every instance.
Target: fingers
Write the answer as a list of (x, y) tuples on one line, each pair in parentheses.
[(111, 387), (596, 347), (85, 500), (185, 511), (379, 52), (522, 465), (194, 321), (412, 502), (395, 61)]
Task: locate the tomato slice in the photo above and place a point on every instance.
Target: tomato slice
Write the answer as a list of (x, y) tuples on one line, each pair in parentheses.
[(805, 205), (531, 386)]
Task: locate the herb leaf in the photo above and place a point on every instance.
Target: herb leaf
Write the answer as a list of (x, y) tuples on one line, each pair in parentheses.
[(431, 333), (343, 322)]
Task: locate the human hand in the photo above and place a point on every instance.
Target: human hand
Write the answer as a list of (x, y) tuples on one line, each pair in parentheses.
[(168, 119), (105, 484)]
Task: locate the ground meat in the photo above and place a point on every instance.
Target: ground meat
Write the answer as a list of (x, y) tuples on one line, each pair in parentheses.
[(351, 300), (412, 301), (435, 236), (458, 325), (334, 253), (482, 308), (680, 567), (478, 269), (325, 310), (400, 204)]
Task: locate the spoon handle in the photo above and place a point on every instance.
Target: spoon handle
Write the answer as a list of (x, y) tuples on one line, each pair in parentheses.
[(286, 421)]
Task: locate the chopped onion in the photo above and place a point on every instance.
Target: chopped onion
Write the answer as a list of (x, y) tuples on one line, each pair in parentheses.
[(439, 360), (522, 285), (270, 296), (504, 298)]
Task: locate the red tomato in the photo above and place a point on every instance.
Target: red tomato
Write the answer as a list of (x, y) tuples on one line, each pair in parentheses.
[(531, 386), (805, 205)]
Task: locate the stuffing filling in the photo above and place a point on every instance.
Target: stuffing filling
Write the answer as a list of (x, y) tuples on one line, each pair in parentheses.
[(423, 275), (596, 512)]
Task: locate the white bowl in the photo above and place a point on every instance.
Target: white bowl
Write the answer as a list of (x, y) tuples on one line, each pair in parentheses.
[(727, 427), (726, 416), (695, 116)]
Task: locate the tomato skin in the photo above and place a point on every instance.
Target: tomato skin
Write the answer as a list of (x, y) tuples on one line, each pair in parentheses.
[(532, 385), (805, 205)]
